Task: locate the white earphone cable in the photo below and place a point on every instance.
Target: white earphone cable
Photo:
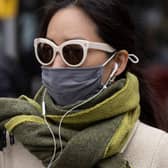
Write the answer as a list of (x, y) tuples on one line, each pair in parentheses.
[(69, 111), (50, 129)]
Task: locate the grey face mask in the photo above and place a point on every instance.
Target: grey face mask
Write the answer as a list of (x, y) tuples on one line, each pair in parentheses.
[(69, 85)]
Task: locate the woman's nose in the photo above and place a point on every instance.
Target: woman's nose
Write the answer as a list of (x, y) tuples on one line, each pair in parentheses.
[(58, 62)]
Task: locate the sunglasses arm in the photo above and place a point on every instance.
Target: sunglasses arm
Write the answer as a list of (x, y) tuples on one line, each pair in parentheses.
[(101, 46)]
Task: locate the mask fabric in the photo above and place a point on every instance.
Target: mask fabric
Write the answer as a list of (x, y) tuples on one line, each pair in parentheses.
[(69, 85), (72, 85)]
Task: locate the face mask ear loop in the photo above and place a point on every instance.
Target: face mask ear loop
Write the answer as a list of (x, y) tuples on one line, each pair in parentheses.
[(113, 55), (133, 58), (51, 131)]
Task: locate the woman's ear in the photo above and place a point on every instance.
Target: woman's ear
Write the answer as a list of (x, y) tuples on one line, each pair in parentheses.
[(121, 59)]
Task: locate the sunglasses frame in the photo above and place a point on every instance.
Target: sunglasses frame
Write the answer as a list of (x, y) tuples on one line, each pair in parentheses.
[(59, 49)]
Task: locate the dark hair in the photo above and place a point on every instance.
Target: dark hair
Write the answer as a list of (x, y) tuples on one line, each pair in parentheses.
[(115, 27)]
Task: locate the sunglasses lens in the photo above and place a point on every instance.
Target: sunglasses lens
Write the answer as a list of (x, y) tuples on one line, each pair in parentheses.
[(73, 53), (45, 52)]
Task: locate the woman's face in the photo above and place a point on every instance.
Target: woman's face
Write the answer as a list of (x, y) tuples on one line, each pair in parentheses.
[(72, 23)]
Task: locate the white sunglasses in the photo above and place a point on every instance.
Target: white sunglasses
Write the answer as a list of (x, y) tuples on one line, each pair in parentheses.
[(72, 52)]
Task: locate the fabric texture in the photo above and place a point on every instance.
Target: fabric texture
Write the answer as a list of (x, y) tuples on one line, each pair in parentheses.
[(142, 151), (148, 148), (100, 127)]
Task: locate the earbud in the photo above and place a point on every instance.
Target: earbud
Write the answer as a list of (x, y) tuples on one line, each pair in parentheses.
[(112, 75), (116, 65)]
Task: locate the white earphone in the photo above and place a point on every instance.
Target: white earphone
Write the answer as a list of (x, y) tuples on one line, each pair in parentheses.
[(112, 75)]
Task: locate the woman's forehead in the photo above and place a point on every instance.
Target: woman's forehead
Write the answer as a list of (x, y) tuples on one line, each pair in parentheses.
[(70, 23)]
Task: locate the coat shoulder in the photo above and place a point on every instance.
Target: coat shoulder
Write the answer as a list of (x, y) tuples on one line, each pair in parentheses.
[(148, 148)]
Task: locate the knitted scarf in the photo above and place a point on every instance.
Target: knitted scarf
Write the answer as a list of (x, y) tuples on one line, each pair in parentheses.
[(92, 135)]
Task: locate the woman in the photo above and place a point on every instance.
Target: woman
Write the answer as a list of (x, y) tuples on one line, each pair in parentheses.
[(87, 113)]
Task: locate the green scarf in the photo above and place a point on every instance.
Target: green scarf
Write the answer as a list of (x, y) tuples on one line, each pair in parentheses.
[(92, 135)]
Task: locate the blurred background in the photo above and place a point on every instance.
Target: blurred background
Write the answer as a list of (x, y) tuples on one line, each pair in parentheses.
[(20, 24)]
